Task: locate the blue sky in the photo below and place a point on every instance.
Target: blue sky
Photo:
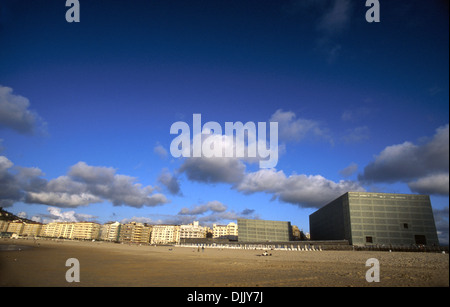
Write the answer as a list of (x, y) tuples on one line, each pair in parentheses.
[(86, 108)]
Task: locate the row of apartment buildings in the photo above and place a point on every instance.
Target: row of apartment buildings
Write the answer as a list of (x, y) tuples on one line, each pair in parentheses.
[(132, 232), (361, 218)]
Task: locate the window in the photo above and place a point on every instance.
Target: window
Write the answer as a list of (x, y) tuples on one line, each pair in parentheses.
[(405, 226), (369, 240)]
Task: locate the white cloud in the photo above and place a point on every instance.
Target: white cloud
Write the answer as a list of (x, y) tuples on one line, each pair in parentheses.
[(206, 218), (103, 182), (232, 170), (292, 129), (208, 213), (15, 181), (22, 214), (170, 181), (302, 190), (214, 206), (65, 200), (433, 184), (213, 170), (5, 164), (83, 185), (15, 113), (423, 166), (57, 215), (92, 174)]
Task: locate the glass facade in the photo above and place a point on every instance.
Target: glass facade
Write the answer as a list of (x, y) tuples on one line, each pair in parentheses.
[(365, 218), (264, 231)]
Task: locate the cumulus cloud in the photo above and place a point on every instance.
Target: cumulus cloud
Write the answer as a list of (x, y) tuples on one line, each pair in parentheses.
[(291, 128), (207, 214), (302, 190), (437, 184), (83, 185), (213, 170), (170, 181), (22, 215), (423, 166), (212, 212), (65, 200), (92, 174), (232, 169), (57, 215), (214, 206), (15, 113), (16, 181)]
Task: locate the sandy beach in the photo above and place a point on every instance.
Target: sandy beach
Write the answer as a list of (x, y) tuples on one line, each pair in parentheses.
[(110, 265)]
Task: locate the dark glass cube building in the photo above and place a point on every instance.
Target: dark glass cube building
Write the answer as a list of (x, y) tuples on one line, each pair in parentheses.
[(365, 218)]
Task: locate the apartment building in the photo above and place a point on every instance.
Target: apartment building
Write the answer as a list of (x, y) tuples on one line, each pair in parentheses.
[(134, 232), (229, 231), (165, 234), (4, 225), (193, 230), (86, 231), (141, 233), (71, 230), (126, 233), (31, 229), (110, 231), (59, 230), (43, 230), (15, 227), (232, 231), (21, 228)]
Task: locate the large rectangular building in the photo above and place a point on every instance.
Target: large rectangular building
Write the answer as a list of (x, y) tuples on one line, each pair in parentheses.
[(58, 230), (365, 218), (229, 231), (193, 230), (135, 232), (165, 234), (86, 231), (264, 231)]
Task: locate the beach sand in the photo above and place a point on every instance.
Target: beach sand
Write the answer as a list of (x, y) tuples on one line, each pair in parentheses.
[(110, 264)]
